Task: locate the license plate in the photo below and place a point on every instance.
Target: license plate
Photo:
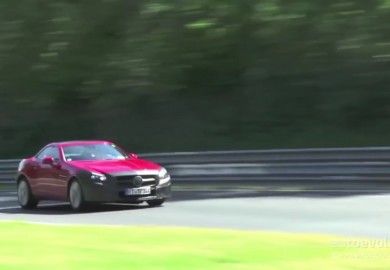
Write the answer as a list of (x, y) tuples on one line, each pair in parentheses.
[(138, 191)]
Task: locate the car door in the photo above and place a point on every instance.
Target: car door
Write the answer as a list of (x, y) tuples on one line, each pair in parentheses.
[(49, 179), (38, 173)]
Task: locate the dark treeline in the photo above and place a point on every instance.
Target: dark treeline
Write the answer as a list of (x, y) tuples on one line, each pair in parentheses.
[(183, 75)]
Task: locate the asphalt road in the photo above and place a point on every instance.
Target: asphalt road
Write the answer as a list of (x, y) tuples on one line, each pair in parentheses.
[(344, 213)]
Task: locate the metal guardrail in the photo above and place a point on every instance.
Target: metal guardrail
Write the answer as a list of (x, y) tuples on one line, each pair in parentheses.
[(363, 168), (363, 154), (8, 168)]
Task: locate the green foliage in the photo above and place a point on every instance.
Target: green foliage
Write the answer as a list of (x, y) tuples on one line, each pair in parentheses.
[(194, 75)]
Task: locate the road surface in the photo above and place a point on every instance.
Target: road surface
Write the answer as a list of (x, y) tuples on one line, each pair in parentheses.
[(341, 213)]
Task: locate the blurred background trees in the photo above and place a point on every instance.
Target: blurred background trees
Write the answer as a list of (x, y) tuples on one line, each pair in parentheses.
[(187, 75)]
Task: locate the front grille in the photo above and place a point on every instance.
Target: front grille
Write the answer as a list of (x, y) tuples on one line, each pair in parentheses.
[(127, 180)]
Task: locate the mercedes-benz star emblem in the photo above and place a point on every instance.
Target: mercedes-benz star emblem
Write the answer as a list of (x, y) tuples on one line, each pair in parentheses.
[(138, 181)]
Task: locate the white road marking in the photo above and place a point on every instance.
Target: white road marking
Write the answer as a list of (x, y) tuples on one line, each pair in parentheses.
[(45, 205), (75, 224)]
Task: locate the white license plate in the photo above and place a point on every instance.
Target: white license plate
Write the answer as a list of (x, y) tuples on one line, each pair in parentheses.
[(138, 191)]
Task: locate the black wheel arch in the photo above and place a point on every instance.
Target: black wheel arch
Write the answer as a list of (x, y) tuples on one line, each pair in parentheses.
[(71, 180), (20, 177), (79, 175)]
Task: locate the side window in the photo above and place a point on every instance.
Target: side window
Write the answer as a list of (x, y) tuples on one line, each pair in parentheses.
[(44, 153), (51, 151)]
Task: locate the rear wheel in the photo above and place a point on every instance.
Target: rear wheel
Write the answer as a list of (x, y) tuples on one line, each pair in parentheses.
[(25, 197), (155, 203), (76, 197)]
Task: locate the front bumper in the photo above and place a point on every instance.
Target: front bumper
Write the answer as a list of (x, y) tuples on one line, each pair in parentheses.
[(110, 191)]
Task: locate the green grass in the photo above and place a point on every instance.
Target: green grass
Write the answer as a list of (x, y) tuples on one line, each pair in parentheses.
[(33, 246)]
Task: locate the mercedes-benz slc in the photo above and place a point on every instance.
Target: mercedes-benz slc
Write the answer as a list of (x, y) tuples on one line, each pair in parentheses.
[(86, 172)]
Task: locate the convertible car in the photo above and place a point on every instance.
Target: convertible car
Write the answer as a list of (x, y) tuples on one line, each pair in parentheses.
[(85, 172)]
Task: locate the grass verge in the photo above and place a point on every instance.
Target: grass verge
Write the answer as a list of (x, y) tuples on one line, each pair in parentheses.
[(33, 246)]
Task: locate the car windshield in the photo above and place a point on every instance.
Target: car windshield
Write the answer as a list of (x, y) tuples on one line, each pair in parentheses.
[(93, 152)]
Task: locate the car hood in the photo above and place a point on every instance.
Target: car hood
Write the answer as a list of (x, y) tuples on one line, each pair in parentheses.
[(112, 166)]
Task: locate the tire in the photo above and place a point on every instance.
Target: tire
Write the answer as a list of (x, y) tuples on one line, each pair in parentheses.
[(76, 196), (155, 203), (25, 197)]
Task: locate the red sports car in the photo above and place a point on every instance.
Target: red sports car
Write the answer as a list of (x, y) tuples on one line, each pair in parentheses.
[(84, 172)]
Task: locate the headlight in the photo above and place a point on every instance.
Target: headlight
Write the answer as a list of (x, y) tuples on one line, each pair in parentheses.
[(163, 173), (98, 177), (164, 176)]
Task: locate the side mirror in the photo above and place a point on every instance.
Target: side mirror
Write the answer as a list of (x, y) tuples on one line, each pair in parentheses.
[(133, 155), (50, 161)]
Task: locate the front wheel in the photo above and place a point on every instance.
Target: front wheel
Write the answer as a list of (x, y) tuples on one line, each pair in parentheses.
[(76, 197), (155, 203), (25, 197)]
